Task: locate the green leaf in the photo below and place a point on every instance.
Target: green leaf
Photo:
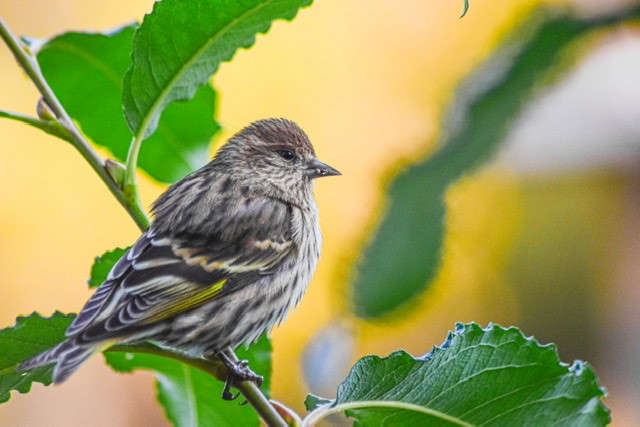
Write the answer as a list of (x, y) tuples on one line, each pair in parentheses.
[(86, 71), (103, 264), (183, 139), (31, 335), (181, 43), (191, 397), (404, 253), (494, 376)]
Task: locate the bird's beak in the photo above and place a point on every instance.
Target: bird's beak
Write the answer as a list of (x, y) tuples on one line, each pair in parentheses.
[(316, 169)]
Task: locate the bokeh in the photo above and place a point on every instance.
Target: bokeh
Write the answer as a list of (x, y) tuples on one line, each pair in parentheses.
[(544, 237)]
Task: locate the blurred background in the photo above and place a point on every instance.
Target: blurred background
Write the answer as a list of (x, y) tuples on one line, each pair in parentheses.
[(546, 236)]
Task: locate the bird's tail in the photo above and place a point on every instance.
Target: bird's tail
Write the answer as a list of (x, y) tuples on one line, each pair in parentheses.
[(68, 356)]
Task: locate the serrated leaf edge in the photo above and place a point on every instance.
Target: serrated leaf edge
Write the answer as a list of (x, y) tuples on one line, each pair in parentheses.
[(144, 129), (577, 368), (22, 387)]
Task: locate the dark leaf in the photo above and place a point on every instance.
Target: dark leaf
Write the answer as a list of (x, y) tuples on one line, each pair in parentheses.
[(31, 335)]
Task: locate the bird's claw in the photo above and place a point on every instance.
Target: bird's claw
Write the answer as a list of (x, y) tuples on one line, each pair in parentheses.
[(237, 372)]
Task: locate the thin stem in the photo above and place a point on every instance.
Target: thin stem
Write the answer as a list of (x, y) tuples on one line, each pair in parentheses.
[(31, 67), (212, 367), (130, 184), (48, 126), (129, 199)]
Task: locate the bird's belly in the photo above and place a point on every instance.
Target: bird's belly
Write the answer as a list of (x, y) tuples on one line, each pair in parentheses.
[(242, 316)]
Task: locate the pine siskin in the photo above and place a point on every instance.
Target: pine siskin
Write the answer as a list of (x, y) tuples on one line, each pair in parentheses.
[(231, 250)]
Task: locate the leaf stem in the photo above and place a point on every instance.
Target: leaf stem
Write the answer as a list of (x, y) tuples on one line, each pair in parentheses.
[(465, 8), (130, 183), (128, 197)]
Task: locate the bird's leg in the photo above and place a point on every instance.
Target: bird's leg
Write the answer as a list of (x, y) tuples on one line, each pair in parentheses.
[(237, 371)]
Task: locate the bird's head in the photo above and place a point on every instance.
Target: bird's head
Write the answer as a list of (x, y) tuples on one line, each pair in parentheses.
[(274, 154)]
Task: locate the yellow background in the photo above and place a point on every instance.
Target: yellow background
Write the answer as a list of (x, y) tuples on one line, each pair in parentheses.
[(367, 80)]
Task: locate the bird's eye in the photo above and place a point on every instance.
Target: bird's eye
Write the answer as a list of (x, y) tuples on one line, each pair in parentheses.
[(288, 155)]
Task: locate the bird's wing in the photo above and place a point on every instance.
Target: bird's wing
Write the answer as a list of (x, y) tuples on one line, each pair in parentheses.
[(163, 274)]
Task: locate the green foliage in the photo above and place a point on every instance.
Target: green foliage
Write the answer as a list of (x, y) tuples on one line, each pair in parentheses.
[(80, 64), (31, 335), (404, 253), (87, 73), (103, 264), (493, 376), (490, 376), (191, 397), (182, 43)]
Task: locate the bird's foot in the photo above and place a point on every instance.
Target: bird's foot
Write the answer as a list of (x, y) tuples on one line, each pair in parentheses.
[(237, 371)]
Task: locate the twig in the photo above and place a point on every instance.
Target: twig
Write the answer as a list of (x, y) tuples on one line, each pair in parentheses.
[(48, 126), (129, 201), (214, 368)]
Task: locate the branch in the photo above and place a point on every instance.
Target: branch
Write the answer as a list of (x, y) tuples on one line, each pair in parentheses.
[(216, 369), (29, 64), (64, 127)]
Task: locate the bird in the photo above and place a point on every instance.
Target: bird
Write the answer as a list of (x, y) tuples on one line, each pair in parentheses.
[(230, 251)]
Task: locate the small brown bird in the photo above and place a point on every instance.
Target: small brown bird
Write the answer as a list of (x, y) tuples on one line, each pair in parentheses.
[(231, 250)]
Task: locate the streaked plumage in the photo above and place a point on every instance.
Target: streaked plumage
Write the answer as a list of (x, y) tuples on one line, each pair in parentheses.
[(231, 250)]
